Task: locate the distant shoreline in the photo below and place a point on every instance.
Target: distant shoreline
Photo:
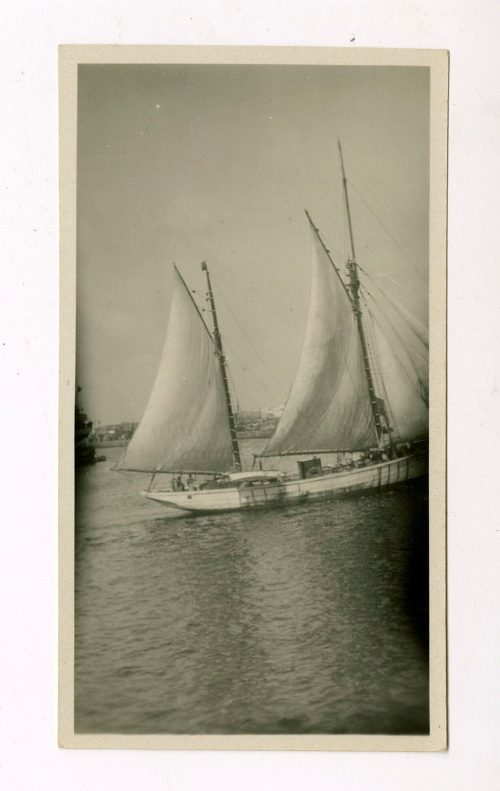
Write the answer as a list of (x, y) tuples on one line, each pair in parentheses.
[(264, 433)]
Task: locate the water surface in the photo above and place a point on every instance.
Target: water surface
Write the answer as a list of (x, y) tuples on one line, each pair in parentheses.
[(308, 619)]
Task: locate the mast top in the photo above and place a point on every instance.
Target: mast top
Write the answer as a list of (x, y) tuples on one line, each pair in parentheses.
[(348, 208), (341, 162), (340, 149)]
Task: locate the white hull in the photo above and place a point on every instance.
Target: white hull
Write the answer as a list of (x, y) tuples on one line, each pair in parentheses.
[(287, 492)]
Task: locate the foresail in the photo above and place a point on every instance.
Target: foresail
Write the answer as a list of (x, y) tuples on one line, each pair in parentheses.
[(328, 407), (185, 424)]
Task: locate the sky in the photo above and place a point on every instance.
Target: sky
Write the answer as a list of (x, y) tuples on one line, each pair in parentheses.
[(186, 163)]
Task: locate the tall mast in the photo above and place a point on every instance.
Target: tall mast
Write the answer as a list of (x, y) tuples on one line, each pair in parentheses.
[(354, 284), (346, 196), (222, 361)]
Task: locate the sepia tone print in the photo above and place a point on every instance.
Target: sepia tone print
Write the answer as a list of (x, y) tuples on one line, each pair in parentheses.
[(253, 399)]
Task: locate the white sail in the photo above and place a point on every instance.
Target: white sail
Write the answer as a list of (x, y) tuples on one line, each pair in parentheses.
[(402, 367), (185, 425), (329, 406)]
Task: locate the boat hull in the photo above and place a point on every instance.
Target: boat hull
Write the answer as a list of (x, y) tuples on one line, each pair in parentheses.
[(287, 492)]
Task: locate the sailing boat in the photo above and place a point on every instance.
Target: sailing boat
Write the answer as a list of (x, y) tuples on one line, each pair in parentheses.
[(358, 397)]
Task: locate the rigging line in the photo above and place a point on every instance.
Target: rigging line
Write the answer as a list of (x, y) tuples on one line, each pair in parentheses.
[(397, 333), (406, 253), (391, 346), (233, 350), (331, 248), (268, 369), (391, 302), (366, 189), (245, 366), (412, 382), (396, 308)]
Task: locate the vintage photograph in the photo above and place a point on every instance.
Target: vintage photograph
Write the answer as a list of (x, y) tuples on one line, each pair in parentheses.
[(252, 396)]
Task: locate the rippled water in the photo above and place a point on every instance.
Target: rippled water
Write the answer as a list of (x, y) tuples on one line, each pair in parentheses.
[(310, 619)]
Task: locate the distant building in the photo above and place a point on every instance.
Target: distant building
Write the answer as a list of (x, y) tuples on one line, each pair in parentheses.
[(116, 431), (257, 422), (248, 418), (273, 412)]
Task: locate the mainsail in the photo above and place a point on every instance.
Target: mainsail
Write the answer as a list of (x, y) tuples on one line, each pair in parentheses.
[(328, 407), (351, 393), (185, 425)]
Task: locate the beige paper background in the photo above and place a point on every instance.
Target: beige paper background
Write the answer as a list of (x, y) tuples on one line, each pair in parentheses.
[(437, 61)]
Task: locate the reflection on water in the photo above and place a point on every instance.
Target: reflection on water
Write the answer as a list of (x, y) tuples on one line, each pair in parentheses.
[(302, 620)]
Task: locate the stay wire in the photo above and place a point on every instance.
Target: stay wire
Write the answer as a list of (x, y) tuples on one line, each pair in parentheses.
[(225, 343), (391, 303), (369, 192), (248, 339), (393, 328), (250, 371), (398, 245)]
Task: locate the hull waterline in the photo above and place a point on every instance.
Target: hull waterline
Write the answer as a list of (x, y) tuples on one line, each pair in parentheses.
[(287, 492)]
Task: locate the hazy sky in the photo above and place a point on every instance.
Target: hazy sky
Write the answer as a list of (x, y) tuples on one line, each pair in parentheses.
[(185, 163)]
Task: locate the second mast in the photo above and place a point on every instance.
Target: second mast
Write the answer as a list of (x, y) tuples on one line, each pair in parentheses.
[(378, 413), (222, 361)]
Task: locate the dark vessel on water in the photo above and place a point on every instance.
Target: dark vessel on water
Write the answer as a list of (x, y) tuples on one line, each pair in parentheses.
[(85, 452)]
